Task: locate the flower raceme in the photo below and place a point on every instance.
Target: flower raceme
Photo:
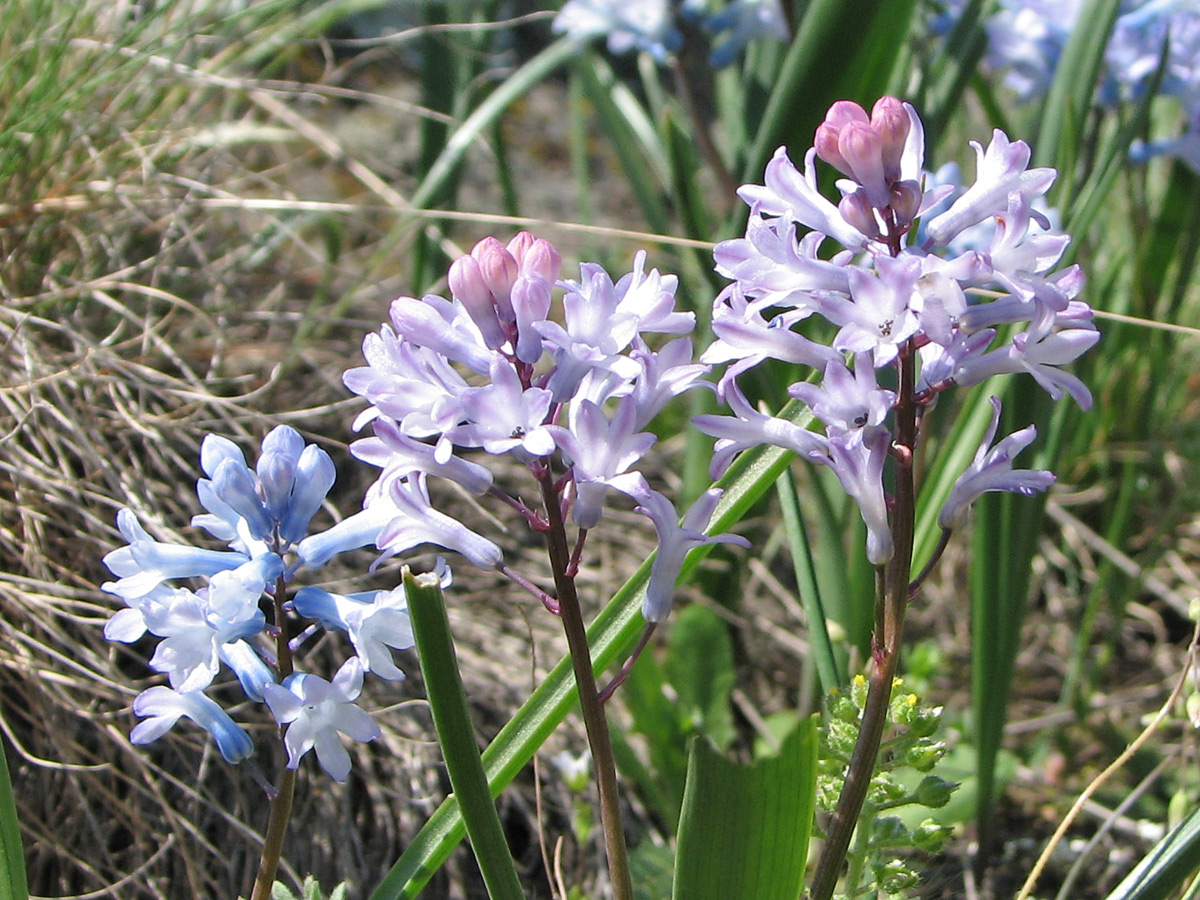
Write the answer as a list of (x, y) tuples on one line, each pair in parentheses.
[(494, 371), (490, 372), (905, 291), (215, 619)]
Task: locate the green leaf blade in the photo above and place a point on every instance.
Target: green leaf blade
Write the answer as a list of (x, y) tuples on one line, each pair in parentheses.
[(745, 830)]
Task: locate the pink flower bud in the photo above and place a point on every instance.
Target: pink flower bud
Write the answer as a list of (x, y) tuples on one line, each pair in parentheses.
[(843, 112), (889, 119), (542, 258), (499, 269), (826, 142), (467, 285), (520, 245), (858, 211), (862, 149)]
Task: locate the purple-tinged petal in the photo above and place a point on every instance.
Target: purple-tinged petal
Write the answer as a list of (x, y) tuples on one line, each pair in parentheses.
[(992, 470), (793, 196), (1001, 170), (675, 540)]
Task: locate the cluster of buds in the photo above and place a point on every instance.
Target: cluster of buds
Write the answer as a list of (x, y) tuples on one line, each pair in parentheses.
[(907, 293), (911, 750)]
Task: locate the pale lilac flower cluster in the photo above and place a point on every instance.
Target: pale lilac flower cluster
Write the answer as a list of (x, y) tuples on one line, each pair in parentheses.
[(567, 393), (205, 606), (1026, 39), (897, 291), (653, 26)]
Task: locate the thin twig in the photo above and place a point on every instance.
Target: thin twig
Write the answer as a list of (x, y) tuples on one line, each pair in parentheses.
[(1115, 766)]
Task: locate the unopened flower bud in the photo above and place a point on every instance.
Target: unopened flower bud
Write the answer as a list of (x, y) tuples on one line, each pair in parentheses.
[(862, 149), (499, 269), (856, 209), (934, 792), (923, 755), (906, 201), (519, 245), (826, 142), (931, 835), (467, 285), (889, 120), (894, 877), (541, 258)]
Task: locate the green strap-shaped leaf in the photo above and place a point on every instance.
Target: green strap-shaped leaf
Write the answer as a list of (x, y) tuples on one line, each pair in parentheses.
[(831, 663), (1074, 79), (611, 636), (1166, 866), (13, 885), (456, 735), (744, 831)]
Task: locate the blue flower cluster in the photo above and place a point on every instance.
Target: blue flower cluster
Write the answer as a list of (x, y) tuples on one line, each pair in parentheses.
[(1026, 39), (263, 516), (653, 26)]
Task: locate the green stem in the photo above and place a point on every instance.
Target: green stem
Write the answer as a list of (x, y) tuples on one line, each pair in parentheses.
[(456, 734), (858, 857), (590, 703), (891, 602)]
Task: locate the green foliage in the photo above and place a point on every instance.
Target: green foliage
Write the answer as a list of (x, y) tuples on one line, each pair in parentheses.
[(685, 695), (880, 856), (13, 885), (456, 736), (1161, 871), (745, 829), (310, 890)]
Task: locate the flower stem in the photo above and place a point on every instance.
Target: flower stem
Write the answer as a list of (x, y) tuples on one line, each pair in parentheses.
[(281, 812), (891, 602), (281, 805), (590, 703)]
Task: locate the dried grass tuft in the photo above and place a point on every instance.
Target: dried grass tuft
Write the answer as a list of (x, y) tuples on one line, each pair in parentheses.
[(139, 314)]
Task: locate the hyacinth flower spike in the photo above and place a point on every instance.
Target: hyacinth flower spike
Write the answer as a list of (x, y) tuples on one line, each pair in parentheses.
[(908, 298), (216, 610)]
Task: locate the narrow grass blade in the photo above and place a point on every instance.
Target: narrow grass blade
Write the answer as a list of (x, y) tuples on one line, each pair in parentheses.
[(1007, 527), (1165, 867), (1074, 80), (941, 89), (611, 635), (1111, 160), (631, 136), (456, 735), (831, 664), (486, 114), (807, 84), (745, 830), (13, 885)]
